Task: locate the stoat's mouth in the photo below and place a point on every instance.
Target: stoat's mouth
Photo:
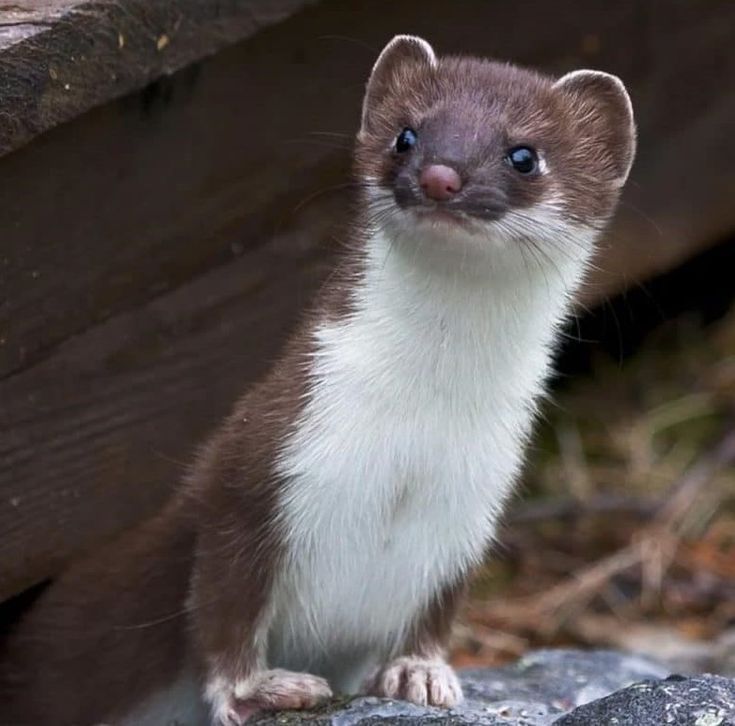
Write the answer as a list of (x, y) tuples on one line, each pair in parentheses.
[(441, 216)]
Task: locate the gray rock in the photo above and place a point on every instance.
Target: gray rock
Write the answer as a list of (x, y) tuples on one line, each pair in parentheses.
[(535, 691), (698, 701)]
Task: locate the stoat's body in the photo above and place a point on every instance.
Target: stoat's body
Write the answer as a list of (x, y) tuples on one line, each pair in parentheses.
[(419, 407), (330, 525)]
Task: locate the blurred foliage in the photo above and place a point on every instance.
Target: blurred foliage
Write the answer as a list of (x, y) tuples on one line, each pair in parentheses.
[(624, 533)]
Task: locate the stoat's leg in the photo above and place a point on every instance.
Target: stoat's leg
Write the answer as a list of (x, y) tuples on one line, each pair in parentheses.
[(423, 680), (230, 613), (234, 702), (421, 674)]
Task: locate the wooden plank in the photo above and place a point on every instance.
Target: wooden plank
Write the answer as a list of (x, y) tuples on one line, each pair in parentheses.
[(101, 432), (149, 191), (149, 277), (59, 58), (679, 198)]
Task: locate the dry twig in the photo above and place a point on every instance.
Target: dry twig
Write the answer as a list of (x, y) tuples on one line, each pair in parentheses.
[(653, 549)]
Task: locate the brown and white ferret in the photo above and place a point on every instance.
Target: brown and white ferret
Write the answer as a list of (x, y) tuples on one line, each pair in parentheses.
[(325, 534)]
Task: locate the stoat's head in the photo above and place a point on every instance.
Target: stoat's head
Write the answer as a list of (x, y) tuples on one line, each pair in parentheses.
[(489, 152)]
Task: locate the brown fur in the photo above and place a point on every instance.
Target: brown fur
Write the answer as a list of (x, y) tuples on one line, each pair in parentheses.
[(193, 585), (232, 490), (111, 627), (431, 631)]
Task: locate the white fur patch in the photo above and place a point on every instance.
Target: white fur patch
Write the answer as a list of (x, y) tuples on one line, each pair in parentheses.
[(543, 166), (412, 435)]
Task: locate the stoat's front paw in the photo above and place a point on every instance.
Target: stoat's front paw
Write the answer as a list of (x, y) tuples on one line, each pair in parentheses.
[(423, 681), (233, 703)]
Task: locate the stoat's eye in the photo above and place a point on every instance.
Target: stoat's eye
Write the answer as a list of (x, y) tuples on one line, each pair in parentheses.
[(523, 159), (406, 140)]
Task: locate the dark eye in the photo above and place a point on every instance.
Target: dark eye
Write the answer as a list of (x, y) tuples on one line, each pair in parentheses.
[(406, 140), (523, 159)]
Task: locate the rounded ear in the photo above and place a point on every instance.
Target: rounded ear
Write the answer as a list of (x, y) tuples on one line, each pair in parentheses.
[(402, 50), (602, 103)]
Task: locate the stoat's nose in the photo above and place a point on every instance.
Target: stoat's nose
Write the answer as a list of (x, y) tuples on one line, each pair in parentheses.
[(440, 182)]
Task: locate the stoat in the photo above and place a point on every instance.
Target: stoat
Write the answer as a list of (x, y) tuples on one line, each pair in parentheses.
[(325, 534)]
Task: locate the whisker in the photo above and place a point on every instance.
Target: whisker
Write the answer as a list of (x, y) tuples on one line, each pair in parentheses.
[(353, 41), (317, 142), (338, 134), (319, 192), (645, 217)]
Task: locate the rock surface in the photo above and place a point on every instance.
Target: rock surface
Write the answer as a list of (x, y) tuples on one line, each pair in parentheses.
[(696, 701), (569, 688)]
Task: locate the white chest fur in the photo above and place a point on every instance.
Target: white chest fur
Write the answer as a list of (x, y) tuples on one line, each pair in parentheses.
[(420, 406)]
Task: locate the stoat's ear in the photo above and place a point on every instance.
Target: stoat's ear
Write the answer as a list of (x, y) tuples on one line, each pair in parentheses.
[(401, 52), (603, 106)]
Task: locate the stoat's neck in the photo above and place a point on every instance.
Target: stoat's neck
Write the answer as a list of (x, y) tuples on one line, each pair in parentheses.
[(453, 331), (504, 297)]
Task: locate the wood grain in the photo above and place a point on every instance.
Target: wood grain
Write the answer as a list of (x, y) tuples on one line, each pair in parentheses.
[(59, 58), (137, 197), (102, 431)]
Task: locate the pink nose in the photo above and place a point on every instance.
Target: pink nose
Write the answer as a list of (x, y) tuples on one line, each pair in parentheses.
[(440, 182)]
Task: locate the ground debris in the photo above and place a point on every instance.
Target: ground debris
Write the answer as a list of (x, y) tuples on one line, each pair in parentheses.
[(627, 537)]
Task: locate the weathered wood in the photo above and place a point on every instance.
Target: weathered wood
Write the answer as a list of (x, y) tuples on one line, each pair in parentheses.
[(59, 58), (150, 264), (138, 196), (101, 431)]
